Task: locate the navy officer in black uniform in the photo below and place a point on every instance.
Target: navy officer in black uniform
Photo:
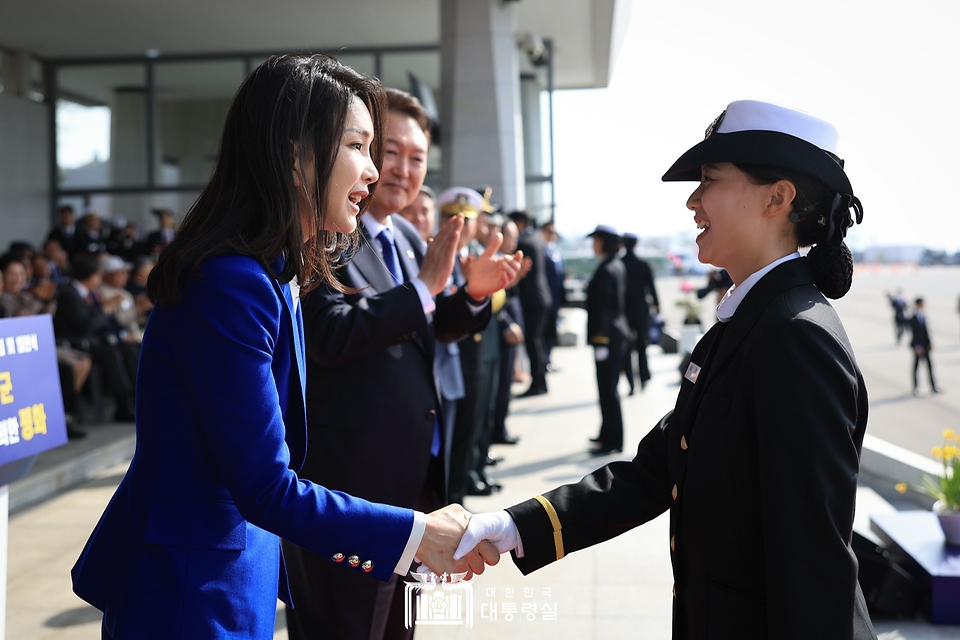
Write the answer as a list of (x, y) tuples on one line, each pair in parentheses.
[(608, 333), (758, 461)]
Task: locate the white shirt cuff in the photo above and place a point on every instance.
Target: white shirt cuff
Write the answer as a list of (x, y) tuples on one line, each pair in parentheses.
[(477, 307), (413, 542), (426, 300)]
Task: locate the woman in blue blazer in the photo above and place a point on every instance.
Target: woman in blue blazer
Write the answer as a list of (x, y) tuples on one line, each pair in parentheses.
[(189, 545)]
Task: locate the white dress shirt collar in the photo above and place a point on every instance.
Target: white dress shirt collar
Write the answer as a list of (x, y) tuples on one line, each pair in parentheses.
[(735, 294), (82, 290), (374, 226)]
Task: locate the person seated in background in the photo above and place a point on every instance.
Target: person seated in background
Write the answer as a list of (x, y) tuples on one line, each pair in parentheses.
[(17, 301), (59, 259), (160, 238), (83, 320), (16, 298), (66, 231), (90, 237), (137, 286), (116, 273), (421, 213), (123, 240)]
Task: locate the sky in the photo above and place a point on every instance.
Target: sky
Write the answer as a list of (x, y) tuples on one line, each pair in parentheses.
[(884, 73)]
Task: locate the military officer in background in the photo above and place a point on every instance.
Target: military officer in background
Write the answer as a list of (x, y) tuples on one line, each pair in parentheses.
[(608, 333)]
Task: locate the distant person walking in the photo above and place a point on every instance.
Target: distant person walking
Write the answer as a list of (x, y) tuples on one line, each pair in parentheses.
[(899, 314), (920, 341), (640, 294)]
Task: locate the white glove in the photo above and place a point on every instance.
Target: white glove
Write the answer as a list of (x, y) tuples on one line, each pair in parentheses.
[(601, 353), (497, 527)]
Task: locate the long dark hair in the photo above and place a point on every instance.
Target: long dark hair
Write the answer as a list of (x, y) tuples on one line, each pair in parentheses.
[(250, 206), (831, 263)]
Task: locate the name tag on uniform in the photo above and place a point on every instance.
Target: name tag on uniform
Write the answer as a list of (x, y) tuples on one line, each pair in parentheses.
[(693, 372)]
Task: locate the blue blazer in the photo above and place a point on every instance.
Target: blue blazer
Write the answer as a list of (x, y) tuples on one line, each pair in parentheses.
[(188, 547)]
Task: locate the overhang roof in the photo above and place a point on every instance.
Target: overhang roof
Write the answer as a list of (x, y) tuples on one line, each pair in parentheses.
[(586, 33)]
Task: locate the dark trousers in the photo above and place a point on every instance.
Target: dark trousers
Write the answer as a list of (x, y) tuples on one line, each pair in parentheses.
[(508, 357), (643, 368), (461, 446), (336, 602), (534, 322), (608, 374), (550, 333), (71, 405), (119, 365), (486, 407), (919, 353)]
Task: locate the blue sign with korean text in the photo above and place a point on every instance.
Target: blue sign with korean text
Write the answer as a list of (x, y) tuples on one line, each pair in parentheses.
[(31, 407)]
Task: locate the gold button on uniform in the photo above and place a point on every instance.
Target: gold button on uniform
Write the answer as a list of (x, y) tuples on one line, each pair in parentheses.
[(683, 442), (367, 566), (674, 492), (673, 546), (338, 557), (353, 561)]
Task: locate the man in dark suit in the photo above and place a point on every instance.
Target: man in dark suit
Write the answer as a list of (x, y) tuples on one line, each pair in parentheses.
[(160, 238), (641, 293), (65, 232), (374, 411), (90, 237), (83, 320), (920, 341), (535, 299)]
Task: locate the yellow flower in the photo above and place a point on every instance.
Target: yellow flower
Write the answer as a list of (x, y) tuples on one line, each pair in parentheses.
[(901, 487), (938, 452), (950, 452), (948, 434)]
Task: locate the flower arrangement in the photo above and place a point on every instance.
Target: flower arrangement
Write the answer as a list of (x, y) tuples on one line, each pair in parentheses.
[(691, 310), (945, 489)]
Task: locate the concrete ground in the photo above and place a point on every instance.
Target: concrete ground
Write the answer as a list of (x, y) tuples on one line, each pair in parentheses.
[(618, 589)]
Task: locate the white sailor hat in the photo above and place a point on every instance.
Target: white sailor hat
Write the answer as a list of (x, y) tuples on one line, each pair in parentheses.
[(112, 264), (753, 132), (460, 200)]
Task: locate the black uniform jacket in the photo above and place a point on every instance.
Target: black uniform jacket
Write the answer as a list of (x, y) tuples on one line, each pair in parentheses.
[(639, 285), (372, 389), (605, 303), (919, 336), (758, 465)]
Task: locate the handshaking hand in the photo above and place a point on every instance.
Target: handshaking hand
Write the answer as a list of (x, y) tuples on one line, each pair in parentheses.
[(496, 527), (445, 528)]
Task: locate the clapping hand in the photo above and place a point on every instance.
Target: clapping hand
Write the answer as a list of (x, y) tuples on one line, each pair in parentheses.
[(491, 272), (438, 261), (445, 528)]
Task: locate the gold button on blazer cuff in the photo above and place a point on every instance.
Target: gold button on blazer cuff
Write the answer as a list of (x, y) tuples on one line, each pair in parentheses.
[(554, 522)]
